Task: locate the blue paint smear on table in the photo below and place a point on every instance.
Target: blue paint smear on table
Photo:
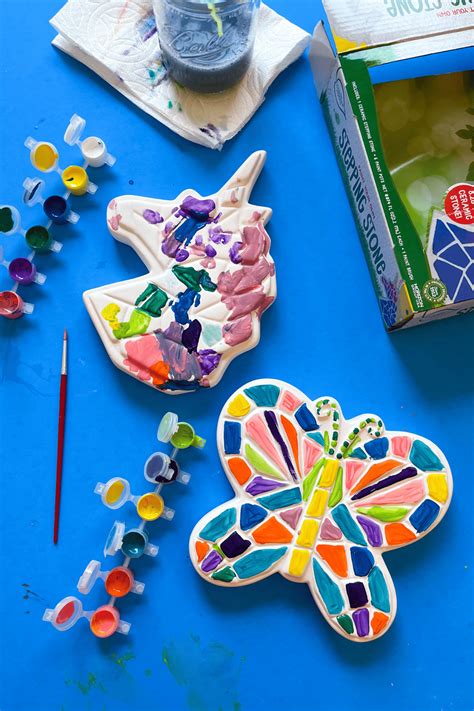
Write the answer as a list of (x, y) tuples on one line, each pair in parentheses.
[(334, 344)]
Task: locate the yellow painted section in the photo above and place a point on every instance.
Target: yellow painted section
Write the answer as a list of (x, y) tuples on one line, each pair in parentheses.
[(75, 180), (308, 533), (150, 506), (239, 406), (44, 157), (110, 313), (114, 492), (438, 487), (346, 45), (317, 505), (298, 562), (329, 473)]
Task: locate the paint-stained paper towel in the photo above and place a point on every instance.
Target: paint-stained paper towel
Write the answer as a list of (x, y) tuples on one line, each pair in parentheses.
[(118, 40)]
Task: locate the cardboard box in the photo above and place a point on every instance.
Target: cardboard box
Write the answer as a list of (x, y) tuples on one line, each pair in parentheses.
[(398, 97)]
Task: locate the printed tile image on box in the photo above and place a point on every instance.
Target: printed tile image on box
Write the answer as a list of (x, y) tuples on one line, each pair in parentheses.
[(427, 133), (399, 104)]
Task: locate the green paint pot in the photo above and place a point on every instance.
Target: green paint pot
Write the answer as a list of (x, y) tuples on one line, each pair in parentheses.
[(185, 437), (38, 238)]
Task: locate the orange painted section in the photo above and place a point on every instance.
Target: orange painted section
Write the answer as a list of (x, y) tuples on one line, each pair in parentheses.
[(378, 622), (240, 469), (201, 549), (272, 531), (335, 557), (375, 472), (292, 435), (397, 533)]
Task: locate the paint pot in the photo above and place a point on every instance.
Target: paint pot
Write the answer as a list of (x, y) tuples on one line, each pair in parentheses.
[(161, 469), (12, 306), (180, 434), (105, 621), (56, 209), (33, 191), (150, 506), (119, 581), (65, 614), (76, 180), (39, 239), (43, 155), (134, 543), (23, 271), (115, 493), (93, 149), (9, 219)]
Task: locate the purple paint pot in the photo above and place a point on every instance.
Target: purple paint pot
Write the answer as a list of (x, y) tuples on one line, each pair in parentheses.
[(56, 209), (22, 270)]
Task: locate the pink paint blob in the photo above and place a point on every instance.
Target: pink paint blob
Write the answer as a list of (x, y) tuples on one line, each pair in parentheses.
[(238, 331), (410, 493), (311, 453), (257, 430), (289, 402), (353, 472), (401, 446), (142, 352)]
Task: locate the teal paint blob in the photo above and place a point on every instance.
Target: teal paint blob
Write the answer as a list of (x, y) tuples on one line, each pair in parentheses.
[(263, 395), (328, 590), (379, 590), (424, 458), (347, 525), (258, 561), (209, 673), (211, 334), (317, 436), (281, 499), (133, 544), (219, 526)]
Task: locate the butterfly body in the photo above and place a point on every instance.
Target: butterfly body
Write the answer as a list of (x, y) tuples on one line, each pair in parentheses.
[(318, 499)]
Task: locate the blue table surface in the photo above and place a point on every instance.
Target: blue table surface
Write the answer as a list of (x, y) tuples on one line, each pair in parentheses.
[(193, 645)]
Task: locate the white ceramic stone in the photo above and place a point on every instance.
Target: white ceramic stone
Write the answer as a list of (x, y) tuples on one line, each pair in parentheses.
[(320, 499), (210, 278)]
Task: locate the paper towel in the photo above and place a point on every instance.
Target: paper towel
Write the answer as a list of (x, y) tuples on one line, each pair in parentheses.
[(118, 40)]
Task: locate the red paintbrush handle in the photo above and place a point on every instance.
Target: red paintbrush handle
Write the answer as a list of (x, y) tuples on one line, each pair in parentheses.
[(59, 461)]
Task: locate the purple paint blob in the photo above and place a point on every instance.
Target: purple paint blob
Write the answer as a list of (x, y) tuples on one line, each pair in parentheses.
[(218, 236), (22, 270), (194, 207), (211, 561), (154, 218), (406, 473), (209, 360), (271, 419), (210, 251), (191, 336), (260, 485), (181, 255), (361, 621), (372, 531), (234, 252), (234, 545), (357, 594)]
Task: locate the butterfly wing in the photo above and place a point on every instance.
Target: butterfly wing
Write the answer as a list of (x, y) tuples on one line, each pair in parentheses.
[(400, 491), (353, 589), (265, 439)]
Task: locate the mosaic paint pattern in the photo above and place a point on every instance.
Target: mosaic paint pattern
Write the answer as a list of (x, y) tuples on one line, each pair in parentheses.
[(210, 279), (451, 253), (319, 499)]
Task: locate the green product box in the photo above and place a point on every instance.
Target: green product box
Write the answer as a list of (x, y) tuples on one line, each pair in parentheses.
[(398, 97)]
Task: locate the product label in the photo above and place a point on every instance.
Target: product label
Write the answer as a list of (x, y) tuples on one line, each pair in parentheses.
[(459, 203)]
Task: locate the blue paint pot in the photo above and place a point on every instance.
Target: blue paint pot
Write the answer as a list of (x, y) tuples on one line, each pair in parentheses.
[(56, 209), (134, 543)]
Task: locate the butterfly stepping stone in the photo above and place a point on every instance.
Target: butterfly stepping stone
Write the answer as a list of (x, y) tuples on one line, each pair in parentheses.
[(319, 499), (210, 278)]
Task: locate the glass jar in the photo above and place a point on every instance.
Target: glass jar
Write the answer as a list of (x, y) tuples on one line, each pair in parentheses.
[(206, 46)]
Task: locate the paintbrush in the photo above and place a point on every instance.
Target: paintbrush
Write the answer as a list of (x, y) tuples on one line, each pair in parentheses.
[(61, 425)]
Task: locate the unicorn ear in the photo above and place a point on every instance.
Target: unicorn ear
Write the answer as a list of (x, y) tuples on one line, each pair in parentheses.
[(237, 190)]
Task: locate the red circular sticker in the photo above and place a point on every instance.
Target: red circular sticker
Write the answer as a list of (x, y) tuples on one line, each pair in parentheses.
[(459, 203)]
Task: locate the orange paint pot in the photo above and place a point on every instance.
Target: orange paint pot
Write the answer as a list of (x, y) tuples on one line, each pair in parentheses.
[(105, 621), (119, 581)]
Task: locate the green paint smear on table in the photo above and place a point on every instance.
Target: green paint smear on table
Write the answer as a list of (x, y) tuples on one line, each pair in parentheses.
[(210, 673), (122, 661), (87, 686)]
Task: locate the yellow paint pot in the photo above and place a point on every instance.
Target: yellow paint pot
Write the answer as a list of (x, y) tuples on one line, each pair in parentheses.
[(75, 179), (150, 506), (44, 157)]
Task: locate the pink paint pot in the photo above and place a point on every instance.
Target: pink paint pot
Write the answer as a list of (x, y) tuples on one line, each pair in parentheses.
[(105, 621), (12, 306)]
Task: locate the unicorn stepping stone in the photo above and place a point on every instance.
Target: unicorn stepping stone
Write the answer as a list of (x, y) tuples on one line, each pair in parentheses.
[(210, 279)]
